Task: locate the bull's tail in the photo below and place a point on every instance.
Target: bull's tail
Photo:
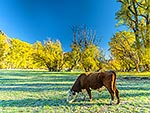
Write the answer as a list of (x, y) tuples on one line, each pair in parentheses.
[(113, 80), (114, 88)]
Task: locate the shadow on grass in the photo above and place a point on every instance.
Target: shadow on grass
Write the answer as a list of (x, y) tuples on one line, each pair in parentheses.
[(33, 78), (45, 102), (36, 87), (134, 94), (133, 88)]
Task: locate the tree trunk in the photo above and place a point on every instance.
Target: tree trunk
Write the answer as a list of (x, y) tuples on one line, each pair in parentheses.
[(137, 68)]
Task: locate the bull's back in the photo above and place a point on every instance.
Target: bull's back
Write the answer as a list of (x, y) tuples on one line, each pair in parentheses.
[(86, 80), (93, 81), (109, 78)]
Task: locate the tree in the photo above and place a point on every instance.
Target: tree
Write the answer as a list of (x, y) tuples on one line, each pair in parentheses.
[(136, 15), (123, 50), (71, 59), (50, 54), (85, 51), (20, 55), (132, 14), (91, 58), (4, 49)]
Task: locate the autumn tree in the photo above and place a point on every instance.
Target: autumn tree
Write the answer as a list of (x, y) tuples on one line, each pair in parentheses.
[(71, 59), (135, 14), (4, 49), (123, 50), (49, 54), (20, 55), (92, 58), (85, 51)]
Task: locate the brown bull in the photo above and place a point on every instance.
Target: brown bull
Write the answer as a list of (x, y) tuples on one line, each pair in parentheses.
[(95, 81)]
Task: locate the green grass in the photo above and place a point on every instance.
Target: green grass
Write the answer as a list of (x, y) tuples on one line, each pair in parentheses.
[(45, 92), (136, 74)]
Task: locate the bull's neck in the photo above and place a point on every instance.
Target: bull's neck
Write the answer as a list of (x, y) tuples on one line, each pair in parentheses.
[(76, 88)]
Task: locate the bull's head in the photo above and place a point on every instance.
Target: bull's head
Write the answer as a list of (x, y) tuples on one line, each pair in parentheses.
[(71, 96)]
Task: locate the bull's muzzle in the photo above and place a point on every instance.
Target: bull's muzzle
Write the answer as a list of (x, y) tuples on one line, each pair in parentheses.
[(71, 96)]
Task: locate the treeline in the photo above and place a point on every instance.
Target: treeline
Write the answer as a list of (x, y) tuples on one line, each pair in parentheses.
[(84, 55)]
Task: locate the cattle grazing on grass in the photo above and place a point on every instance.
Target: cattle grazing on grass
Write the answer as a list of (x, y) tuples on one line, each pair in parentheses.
[(94, 81)]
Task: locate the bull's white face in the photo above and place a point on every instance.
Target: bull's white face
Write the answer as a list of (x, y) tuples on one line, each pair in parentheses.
[(71, 96)]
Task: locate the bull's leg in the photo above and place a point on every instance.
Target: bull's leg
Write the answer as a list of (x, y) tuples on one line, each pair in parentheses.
[(117, 95), (112, 93), (89, 93)]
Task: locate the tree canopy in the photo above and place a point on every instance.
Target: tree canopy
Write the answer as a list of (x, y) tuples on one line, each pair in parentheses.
[(135, 14)]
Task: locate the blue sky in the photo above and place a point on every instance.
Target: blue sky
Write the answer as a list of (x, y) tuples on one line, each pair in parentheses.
[(38, 20)]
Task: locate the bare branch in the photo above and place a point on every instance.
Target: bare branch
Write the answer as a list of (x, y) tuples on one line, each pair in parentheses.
[(129, 7)]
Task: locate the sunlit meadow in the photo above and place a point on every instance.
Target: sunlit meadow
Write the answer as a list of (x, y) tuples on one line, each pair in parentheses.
[(45, 92)]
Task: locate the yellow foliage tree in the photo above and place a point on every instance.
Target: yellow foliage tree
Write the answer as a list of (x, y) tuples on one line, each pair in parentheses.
[(50, 55), (4, 49), (20, 55)]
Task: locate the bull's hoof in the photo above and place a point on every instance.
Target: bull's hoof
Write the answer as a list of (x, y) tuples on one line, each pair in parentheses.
[(90, 100), (118, 101), (69, 102), (111, 103)]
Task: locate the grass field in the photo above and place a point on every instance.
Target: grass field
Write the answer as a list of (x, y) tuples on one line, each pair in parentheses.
[(45, 92)]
